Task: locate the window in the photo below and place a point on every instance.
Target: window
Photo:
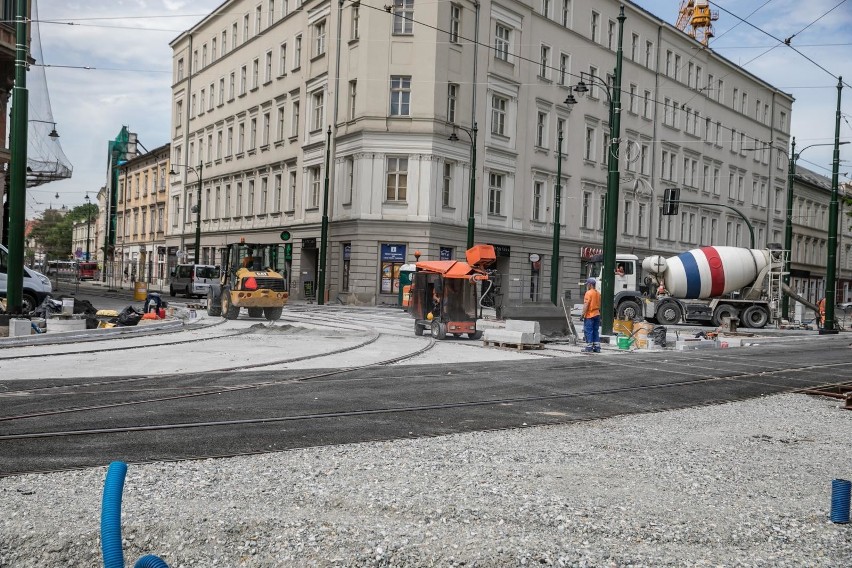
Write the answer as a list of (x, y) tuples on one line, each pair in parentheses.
[(446, 190), (455, 22), (541, 130), (227, 200), (219, 145), (267, 67), (353, 92), (585, 215), (498, 115), (495, 193), (255, 73), (318, 102), (257, 20), (250, 203), (634, 47), (397, 179), (634, 99), (640, 220), (264, 194), (452, 99), (667, 165), (264, 139), (222, 91), (239, 204), (400, 95), (245, 28), (294, 122), (209, 148), (544, 62), (180, 69), (502, 39), (276, 196), (646, 105), (545, 8), (234, 36), (690, 170), (297, 56), (610, 34), (230, 148), (626, 221), (669, 62), (349, 170), (538, 194), (178, 113), (243, 79), (649, 54), (204, 56), (319, 38), (241, 139), (644, 155), (212, 97), (231, 85), (564, 68), (403, 17), (253, 134), (589, 147), (282, 60), (356, 21), (291, 190), (595, 23), (566, 13)]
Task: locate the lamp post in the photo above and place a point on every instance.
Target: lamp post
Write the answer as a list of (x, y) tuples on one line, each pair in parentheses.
[(199, 172), (828, 326), (472, 189), (53, 133), (88, 225), (557, 204), (324, 229), (611, 218)]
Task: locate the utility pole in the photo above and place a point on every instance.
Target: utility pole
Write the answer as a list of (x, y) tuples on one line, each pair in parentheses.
[(198, 212), (828, 326), (788, 229), (324, 230), (18, 165), (557, 203)]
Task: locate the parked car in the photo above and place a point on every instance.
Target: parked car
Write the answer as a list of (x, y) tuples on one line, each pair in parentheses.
[(37, 286), (193, 279)]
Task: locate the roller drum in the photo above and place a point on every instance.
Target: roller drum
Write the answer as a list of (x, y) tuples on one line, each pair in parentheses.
[(709, 272)]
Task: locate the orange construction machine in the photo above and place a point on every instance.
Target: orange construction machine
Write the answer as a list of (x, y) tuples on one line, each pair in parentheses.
[(443, 296)]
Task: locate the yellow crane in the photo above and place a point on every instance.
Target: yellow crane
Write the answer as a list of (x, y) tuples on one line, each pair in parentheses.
[(696, 19)]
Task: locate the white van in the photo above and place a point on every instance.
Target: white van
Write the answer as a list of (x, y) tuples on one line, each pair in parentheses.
[(193, 279), (36, 285)]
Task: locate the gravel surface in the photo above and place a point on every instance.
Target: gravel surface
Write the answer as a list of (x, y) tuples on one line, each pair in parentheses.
[(741, 484)]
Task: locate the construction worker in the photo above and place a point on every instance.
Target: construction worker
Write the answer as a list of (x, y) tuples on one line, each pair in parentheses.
[(592, 317), (248, 260), (821, 306)]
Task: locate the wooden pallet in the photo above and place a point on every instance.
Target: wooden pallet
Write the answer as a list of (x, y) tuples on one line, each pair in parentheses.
[(197, 306), (512, 346)]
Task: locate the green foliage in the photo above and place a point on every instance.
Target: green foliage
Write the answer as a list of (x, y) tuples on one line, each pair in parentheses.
[(54, 231)]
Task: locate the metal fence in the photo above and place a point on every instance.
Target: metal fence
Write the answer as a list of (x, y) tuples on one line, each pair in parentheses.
[(122, 273), (64, 276)]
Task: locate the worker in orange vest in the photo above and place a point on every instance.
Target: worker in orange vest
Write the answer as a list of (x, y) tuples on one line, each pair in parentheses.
[(592, 317), (822, 312)]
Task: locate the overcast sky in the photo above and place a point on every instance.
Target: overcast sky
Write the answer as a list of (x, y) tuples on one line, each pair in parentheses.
[(126, 43)]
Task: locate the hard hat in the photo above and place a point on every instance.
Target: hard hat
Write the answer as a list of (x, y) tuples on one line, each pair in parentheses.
[(591, 281)]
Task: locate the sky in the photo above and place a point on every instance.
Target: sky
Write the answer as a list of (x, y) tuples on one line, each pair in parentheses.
[(125, 46)]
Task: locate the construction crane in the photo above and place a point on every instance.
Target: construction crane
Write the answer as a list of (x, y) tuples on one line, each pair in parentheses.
[(696, 19)]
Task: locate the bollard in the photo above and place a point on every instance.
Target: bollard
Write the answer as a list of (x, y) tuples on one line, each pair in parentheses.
[(840, 492)]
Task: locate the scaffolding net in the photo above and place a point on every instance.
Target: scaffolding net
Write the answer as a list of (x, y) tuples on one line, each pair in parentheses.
[(46, 161)]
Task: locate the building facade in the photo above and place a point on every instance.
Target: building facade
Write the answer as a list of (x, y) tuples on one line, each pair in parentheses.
[(141, 219), (264, 96)]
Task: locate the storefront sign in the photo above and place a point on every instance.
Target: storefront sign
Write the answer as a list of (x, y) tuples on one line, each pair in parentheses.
[(588, 252), (347, 251), (502, 250), (309, 243), (393, 253)]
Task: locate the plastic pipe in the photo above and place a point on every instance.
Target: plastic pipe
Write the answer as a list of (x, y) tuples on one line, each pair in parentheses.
[(111, 522)]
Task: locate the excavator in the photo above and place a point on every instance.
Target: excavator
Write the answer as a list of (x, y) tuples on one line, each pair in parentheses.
[(443, 294), (252, 278)]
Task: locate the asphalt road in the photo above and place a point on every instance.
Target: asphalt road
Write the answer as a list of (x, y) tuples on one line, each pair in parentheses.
[(215, 414)]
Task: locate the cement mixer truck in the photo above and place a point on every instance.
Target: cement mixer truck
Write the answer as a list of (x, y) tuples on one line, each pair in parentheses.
[(703, 285)]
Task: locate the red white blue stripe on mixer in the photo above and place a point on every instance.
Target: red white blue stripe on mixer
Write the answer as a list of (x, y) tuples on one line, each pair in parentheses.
[(712, 271)]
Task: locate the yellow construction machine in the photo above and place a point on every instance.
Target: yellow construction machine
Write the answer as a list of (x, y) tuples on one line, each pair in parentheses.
[(253, 277)]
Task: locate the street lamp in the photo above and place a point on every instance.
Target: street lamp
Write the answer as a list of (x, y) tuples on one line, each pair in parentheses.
[(53, 133), (198, 173), (472, 190), (828, 326), (88, 225), (557, 204), (611, 219)]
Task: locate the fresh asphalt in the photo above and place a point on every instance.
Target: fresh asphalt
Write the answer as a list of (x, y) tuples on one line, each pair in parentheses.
[(381, 403)]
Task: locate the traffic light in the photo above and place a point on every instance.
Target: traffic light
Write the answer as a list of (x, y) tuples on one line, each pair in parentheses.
[(671, 200), (288, 251)]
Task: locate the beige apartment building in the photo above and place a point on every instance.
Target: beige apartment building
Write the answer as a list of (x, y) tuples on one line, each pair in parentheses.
[(258, 85), (141, 219)]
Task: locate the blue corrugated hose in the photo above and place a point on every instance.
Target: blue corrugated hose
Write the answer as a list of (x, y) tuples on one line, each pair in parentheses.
[(840, 491), (111, 522)]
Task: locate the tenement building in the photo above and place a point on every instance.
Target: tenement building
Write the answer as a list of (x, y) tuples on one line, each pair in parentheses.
[(266, 93)]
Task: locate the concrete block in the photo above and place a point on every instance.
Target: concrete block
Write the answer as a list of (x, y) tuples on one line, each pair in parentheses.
[(691, 345), (516, 337), (20, 327), (524, 326), (59, 324)]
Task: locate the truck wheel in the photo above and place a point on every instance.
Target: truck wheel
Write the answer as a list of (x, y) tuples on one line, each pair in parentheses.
[(229, 310), (171, 291), (629, 310), (28, 303), (255, 312), (439, 330), (214, 308), (724, 311), (669, 313), (418, 329), (475, 335), (273, 314), (755, 316)]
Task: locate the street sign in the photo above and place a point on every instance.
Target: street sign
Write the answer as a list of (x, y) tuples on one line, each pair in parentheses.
[(285, 235)]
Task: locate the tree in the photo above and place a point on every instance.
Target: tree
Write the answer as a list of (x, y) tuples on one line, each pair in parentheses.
[(54, 231)]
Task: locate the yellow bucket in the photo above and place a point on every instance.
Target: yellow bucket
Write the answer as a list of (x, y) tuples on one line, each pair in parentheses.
[(622, 326), (640, 334), (140, 291)]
